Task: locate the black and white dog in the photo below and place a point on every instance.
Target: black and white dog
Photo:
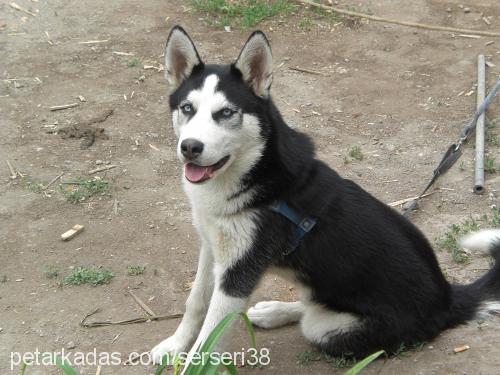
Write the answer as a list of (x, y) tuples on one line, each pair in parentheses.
[(367, 278)]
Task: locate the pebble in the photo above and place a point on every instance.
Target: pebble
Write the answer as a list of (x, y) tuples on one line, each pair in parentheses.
[(98, 162), (466, 10), (448, 10)]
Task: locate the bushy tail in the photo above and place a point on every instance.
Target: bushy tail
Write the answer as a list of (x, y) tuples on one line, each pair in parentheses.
[(482, 297)]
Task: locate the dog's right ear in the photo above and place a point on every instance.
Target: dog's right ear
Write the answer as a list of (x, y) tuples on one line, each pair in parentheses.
[(181, 57)]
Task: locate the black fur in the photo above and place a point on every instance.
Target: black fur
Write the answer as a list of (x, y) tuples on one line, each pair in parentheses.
[(362, 257)]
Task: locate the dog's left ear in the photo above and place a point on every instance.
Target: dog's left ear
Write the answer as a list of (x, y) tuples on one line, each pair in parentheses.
[(255, 63), (181, 57)]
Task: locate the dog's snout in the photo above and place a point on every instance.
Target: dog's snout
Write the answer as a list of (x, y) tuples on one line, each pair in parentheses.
[(191, 148)]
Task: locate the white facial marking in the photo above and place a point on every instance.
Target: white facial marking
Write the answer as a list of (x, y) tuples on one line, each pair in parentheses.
[(242, 143)]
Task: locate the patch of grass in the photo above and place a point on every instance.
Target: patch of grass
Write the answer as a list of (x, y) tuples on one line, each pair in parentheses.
[(489, 165), (88, 275), (336, 362), (309, 356), (491, 137), (80, 189), (451, 239), (354, 153), (51, 272), (133, 62), (305, 23), (245, 13), (35, 187), (135, 270)]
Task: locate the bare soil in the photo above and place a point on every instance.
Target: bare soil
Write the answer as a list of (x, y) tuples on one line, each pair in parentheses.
[(392, 91)]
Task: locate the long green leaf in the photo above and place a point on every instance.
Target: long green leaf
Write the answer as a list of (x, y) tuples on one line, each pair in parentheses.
[(68, 370), (212, 340), (165, 361), (250, 330), (356, 369)]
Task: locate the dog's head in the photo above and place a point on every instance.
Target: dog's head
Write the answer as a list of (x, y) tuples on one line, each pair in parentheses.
[(215, 108)]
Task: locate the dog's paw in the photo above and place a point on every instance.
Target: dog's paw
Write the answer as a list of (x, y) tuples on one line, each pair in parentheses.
[(171, 346), (273, 314)]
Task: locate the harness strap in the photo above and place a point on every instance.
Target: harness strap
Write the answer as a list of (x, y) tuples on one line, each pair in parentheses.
[(303, 225)]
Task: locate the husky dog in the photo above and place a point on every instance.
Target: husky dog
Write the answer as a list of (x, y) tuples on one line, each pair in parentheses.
[(367, 278)]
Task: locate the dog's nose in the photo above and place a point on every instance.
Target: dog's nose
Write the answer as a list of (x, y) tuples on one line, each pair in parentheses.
[(191, 148)]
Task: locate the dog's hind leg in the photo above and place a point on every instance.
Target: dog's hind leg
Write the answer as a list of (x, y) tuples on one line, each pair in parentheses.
[(322, 327), (273, 314)]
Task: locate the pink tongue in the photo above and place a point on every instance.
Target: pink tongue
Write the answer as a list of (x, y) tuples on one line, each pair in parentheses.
[(195, 173)]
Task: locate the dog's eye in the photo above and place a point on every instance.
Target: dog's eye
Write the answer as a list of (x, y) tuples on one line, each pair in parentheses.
[(187, 109), (227, 112)]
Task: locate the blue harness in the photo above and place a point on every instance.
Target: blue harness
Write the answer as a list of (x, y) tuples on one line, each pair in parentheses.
[(303, 225)]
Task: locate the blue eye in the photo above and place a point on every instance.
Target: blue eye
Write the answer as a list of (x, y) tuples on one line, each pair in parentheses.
[(187, 108), (227, 112)]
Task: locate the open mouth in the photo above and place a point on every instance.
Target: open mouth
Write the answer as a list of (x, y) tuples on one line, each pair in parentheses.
[(197, 173)]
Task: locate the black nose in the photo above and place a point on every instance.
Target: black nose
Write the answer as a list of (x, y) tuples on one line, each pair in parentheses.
[(191, 148)]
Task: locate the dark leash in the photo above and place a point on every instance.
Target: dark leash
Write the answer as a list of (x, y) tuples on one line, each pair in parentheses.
[(455, 150)]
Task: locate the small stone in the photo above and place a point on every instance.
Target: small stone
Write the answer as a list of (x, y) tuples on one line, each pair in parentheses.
[(448, 10), (71, 345), (98, 162), (466, 10)]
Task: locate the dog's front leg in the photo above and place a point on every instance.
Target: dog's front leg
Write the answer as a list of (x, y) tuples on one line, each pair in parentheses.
[(226, 299), (196, 308)]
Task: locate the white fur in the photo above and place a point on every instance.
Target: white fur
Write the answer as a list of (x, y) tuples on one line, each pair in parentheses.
[(244, 144), (488, 309), (196, 308), (481, 241), (273, 314), (221, 305), (318, 322)]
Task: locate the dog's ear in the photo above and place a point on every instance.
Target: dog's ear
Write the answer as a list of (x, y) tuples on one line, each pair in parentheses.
[(181, 57), (255, 63)]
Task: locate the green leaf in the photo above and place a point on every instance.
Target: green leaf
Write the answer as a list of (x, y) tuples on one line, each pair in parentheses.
[(356, 369), (250, 330), (165, 361), (67, 369)]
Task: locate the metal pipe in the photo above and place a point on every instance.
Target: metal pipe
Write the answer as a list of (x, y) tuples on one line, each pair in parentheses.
[(479, 161)]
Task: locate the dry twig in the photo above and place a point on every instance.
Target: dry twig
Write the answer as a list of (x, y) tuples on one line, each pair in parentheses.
[(86, 324), (100, 169), (398, 22)]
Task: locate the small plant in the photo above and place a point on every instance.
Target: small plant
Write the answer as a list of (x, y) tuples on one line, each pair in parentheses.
[(309, 356), (88, 275), (80, 189), (135, 270), (451, 239), (51, 272), (36, 187), (305, 23), (491, 137), (246, 13), (354, 153), (489, 165), (133, 62)]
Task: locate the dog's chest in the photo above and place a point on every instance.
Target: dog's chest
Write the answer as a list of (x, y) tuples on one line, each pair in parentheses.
[(230, 237)]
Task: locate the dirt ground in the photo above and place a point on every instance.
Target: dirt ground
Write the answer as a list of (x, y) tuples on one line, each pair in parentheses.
[(393, 91)]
